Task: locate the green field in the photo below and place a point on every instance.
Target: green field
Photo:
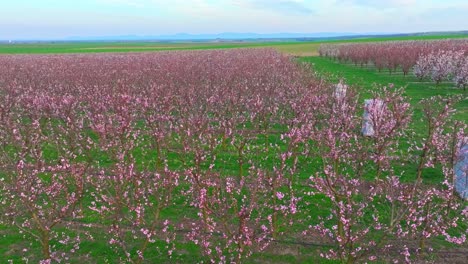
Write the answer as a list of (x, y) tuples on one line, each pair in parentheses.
[(296, 48)]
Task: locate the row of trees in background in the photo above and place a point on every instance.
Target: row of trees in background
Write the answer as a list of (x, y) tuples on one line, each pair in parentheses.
[(228, 150), (444, 65), (436, 60)]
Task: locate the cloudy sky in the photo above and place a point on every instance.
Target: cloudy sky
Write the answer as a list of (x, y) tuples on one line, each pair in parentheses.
[(55, 19)]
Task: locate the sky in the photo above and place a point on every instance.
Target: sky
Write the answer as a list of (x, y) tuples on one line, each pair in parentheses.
[(58, 19)]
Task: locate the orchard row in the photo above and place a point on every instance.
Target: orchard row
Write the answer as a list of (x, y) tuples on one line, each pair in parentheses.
[(438, 60)]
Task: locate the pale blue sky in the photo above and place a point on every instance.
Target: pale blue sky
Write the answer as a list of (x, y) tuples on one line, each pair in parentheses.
[(54, 19)]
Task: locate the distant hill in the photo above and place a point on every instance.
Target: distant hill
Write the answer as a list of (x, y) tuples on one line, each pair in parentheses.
[(229, 36), (241, 37), (214, 37)]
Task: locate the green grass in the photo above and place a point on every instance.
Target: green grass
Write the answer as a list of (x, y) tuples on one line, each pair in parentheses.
[(99, 47)]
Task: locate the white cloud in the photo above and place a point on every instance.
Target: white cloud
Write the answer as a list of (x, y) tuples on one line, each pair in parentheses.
[(379, 4), (296, 7)]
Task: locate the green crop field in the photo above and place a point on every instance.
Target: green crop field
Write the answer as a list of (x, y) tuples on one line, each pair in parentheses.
[(296, 48)]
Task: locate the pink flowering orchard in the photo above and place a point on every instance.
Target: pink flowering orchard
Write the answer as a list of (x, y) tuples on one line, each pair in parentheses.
[(218, 156), (436, 60)]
